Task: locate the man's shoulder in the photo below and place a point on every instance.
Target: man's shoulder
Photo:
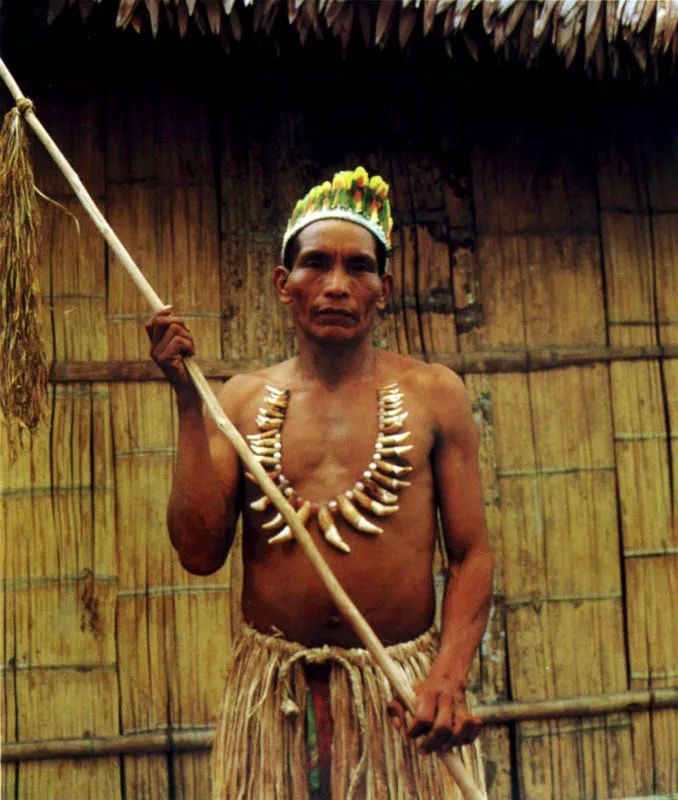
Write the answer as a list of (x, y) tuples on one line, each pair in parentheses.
[(439, 392), (243, 387), (420, 376)]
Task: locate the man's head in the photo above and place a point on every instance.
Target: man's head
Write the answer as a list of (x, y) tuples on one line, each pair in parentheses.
[(332, 283), (334, 258), (351, 196)]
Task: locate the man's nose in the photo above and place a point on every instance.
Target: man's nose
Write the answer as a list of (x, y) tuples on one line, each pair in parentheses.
[(337, 282)]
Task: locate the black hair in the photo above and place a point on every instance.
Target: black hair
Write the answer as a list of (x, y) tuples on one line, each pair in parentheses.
[(292, 252)]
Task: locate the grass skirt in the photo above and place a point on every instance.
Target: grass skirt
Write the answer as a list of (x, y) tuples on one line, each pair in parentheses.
[(260, 743)]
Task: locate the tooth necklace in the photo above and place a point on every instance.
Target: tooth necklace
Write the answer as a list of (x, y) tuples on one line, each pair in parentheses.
[(376, 491)]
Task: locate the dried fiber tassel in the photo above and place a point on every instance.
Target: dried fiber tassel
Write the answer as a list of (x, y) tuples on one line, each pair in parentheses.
[(24, 373)]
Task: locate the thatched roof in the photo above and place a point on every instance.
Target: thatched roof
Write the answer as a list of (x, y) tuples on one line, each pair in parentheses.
[(601, 35)]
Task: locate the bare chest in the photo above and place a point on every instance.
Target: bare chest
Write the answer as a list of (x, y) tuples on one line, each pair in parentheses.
[(334, 434), (328, 441)]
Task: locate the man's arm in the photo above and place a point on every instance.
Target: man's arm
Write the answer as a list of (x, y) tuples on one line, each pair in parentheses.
[(442, 715), (203, 505)]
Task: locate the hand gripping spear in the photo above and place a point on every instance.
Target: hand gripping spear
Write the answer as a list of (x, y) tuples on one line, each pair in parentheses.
[(393, 672)]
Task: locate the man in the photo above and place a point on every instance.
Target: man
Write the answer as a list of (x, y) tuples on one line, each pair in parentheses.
[(370, 446)]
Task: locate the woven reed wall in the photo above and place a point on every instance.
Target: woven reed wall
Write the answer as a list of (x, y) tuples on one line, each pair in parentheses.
[(566, 234)]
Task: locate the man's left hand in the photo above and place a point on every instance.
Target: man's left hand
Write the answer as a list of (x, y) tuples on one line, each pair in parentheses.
[(442, 718)]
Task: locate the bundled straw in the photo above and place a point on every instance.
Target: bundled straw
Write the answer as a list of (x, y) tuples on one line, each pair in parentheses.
[(23, 374)]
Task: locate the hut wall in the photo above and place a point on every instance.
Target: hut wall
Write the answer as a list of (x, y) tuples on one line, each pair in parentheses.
[(514, 234)]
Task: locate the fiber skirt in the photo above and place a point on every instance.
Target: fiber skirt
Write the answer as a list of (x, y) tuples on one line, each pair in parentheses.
[(260, 748)]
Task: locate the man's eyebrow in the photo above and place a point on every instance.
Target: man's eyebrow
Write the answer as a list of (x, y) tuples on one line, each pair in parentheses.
[(315, 253), (363, 257)]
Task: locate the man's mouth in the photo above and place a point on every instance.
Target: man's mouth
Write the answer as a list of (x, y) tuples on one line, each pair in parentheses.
[(334, 312)]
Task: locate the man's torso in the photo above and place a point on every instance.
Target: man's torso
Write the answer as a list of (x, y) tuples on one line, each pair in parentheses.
[(328, 442)]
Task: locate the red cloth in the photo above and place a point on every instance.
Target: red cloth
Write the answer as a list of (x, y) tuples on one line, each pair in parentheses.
[(318, 681)]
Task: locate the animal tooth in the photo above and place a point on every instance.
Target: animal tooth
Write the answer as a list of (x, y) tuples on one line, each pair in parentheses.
[(290, 494), (269, 447), (372, 505), (272, 475), (272, 420), (278, 402), (389, 483), (304, 512), (268, 460), (272, 412), (274, 391), (392, 397), (394, 451), (265, 451), (385, 423), (380, 494), (394, 469), (329, 529), (285, 535), (261, 504), (276, 522), (260, 437), (395, 439), (352, 515), (269, 424), (389, 419), (332, 537), (390, 415), (390, 428)]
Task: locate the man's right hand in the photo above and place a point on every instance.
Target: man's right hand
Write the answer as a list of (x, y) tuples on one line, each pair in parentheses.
[(170, 342)]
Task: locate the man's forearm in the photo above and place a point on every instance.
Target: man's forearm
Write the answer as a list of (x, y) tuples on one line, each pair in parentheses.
[(197, 517), (466, 607)]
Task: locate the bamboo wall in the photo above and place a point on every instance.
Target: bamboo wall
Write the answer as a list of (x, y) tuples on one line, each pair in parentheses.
[(565, 232)]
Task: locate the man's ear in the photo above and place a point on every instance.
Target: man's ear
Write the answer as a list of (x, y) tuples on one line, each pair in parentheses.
[(280, 277), (386, 291)]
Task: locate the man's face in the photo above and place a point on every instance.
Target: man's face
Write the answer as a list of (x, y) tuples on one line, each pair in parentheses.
[(334, 288)]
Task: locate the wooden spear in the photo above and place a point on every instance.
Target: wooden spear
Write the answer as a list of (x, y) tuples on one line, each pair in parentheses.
[(393, 672)]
